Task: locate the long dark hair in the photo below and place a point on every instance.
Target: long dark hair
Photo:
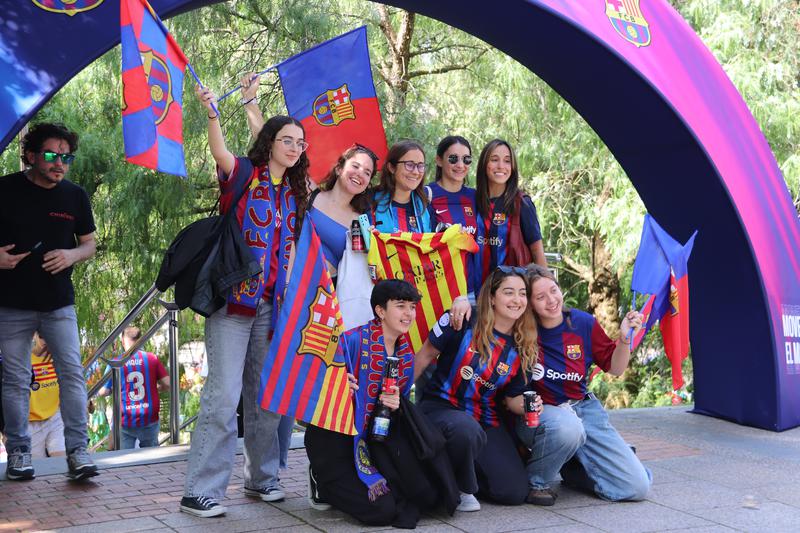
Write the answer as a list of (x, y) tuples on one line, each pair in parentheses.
[(261, 150), (482, 180), (387, 182), (360, 202), (444, 145)]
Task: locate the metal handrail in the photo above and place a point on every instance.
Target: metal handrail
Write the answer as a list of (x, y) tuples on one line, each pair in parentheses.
[(170, 317)]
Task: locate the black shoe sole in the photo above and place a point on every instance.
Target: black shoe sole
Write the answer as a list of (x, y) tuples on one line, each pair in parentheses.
[(210, 513), (25, 476), (83, 474)]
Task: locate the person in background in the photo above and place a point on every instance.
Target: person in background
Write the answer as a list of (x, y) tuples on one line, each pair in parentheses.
[(44, 424), (142, 378), (46, 227), (509, 232), (573, 423)]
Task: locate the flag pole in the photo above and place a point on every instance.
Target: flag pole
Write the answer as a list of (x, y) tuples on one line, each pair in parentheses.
[(633, 308), (257, 74)]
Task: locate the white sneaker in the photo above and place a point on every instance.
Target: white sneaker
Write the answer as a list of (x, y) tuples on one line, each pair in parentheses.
[(469, 503)]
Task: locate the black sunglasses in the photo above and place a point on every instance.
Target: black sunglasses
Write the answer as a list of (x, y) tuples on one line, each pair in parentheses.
[(505, 269), (50, 157), (453, 159)]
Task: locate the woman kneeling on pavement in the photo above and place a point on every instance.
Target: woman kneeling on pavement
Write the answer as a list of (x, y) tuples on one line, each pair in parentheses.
[(574, 435), (379, 483), (476, 366)]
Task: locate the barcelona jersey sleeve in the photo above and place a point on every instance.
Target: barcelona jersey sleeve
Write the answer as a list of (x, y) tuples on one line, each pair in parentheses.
[(529, 221), (602, 347)]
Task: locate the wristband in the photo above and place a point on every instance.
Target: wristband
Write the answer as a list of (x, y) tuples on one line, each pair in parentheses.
[(214, 117), (250, 101)]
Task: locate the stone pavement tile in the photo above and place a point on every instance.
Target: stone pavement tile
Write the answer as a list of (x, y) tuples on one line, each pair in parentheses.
[(733, 472), (257, 510), (497, 518), (117, 526), (784, 493), (705, 529), (696, 494), (569, 528), (272, 523), (568, 498), (333, 521), (664, 475), (292, 504), (303, 528), (633, 517), (772, 517)]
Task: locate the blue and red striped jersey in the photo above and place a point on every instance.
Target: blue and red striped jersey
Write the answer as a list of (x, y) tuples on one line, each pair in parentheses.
[(493, 232), (565, 356), (140, 402), (458, 208), (406, 220), (462, 380)]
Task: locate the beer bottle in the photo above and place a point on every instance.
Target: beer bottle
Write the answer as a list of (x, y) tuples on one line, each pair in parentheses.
[(382, 416)]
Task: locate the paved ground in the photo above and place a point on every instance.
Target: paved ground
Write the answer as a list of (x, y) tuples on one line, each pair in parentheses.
[(710, 476)]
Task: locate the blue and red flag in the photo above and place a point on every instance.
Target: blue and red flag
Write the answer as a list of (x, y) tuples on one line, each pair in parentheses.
[(329, 89), (661, 272), (305, 372), (152, 90)]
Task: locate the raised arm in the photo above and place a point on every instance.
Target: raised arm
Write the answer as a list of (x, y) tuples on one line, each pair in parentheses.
[(225, 160), (255, 120), (622, 353)]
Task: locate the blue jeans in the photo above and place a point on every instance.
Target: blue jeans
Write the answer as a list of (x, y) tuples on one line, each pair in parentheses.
[(609, 467), (146, 435), (285, 439), (59, 329), (236, 347)]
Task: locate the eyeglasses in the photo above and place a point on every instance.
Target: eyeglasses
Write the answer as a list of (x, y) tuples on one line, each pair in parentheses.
[(288, 142), (411, 166), (505, 269), (50, 157), (453, 159)]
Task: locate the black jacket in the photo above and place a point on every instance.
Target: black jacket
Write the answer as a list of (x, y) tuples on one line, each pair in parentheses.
[(206, 259)]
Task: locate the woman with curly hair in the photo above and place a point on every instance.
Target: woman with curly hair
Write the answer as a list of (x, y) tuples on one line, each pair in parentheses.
[(271, 187), (476, 364)]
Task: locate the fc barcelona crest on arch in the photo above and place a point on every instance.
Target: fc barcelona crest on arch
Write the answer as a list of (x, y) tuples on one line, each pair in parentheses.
[(627, 19), (333, 106), (320, 335), (160, 82), (67, 7)]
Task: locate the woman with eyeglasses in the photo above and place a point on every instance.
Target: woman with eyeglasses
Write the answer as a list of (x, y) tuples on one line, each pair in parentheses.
[(266, 186), (508, 232), (476, 365), (574, 436), (400, 201)]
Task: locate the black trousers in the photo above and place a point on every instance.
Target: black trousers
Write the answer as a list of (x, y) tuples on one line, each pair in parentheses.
[(331, 458), (485, 460)]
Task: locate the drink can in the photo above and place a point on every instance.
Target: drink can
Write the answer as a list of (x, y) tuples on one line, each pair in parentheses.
[(531, 415), (356, 239), (392, 373)]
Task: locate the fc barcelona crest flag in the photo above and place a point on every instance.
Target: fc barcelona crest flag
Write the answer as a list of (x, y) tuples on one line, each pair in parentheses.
[(152, 90), (627, 19), (304, 374), (329, 89)]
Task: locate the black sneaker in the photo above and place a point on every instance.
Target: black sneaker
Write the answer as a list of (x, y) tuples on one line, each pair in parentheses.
[(201, 506), (271, 494), (314, 499), (545, 497), (80, 465), (19, 466)]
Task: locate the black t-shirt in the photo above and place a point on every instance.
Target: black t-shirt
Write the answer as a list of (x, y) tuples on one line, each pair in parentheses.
[(30, 214)]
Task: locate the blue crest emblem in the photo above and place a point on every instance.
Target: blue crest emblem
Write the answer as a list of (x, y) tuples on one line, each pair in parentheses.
[(627, 19), (67, 7)]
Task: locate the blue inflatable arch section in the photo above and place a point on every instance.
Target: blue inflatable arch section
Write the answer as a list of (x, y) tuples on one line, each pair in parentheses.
[(658, 99)]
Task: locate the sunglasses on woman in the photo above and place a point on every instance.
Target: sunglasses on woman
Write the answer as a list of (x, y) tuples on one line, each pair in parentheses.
[(453, 159), (505, 269), (50, 157)]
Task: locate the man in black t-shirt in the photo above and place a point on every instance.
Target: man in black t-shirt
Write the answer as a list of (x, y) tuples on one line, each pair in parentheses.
[(46, 226)]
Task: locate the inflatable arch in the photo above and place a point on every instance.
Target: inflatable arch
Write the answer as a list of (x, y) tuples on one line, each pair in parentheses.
[(647, 85)]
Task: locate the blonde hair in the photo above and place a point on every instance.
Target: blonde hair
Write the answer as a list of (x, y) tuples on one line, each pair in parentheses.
[(524, 331)]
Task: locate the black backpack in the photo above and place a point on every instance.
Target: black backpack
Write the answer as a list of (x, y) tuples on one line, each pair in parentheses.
[(206, 259)]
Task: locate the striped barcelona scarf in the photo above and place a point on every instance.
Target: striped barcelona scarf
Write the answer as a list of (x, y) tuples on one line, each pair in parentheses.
[(370, 380), (268, 222)]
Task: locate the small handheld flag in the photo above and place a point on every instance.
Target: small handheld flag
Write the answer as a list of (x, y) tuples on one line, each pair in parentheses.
[(661, 272), (329, 89), (152, 89)]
